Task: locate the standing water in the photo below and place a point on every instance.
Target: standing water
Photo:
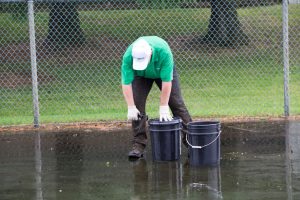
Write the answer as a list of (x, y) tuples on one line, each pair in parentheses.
[(259, 160)]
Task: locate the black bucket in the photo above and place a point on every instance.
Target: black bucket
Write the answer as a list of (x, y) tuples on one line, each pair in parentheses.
[(165, 139), (204, 143)]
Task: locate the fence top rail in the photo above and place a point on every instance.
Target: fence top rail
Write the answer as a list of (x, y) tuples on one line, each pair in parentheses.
[(53, 1)]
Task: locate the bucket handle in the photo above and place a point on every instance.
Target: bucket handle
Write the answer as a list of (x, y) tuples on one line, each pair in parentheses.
[(200, 147)]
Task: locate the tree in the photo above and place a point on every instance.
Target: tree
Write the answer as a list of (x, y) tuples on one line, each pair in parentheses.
[(224, 27), (64, 26)]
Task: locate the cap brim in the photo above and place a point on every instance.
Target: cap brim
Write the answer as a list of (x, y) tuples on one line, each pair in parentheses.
[(140, 64)]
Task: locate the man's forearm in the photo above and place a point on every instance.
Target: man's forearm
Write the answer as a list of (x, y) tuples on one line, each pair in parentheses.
[(128, 94), (165, 93)]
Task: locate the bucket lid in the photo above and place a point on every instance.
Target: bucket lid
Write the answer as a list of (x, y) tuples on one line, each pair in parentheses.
[(154, 122)]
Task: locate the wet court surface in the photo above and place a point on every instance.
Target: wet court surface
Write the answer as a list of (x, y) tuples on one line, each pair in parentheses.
[(259, 160)]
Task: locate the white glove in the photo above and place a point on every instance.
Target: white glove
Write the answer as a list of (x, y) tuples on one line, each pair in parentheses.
[(164, 113), (133, 113)]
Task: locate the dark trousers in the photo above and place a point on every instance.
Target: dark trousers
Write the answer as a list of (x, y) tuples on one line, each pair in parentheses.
[(141, 88)]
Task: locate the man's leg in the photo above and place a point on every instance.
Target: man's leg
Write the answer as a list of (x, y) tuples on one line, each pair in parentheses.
[(177, 105), (141, 88)]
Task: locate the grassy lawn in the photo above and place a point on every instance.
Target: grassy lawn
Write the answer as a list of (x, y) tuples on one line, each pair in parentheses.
[(246, 81)]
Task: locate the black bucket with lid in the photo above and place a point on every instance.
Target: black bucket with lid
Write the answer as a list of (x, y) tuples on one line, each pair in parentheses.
[(204, 143), (165, 139)]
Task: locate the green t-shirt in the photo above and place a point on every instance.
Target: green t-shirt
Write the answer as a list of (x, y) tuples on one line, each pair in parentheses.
[(160, 66)]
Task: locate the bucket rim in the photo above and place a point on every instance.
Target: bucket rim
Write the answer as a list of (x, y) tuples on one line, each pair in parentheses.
[(156, 121), (206, 133), (167, 130), (203, 123)]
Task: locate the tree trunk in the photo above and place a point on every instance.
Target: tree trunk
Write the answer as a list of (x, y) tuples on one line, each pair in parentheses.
[(224, 27), (64, 26)]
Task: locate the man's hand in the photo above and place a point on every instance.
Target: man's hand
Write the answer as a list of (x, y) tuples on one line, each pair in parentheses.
[(164, 113), (133, 113)]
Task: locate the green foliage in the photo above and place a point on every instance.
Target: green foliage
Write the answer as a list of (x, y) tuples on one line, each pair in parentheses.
[(18, 11)]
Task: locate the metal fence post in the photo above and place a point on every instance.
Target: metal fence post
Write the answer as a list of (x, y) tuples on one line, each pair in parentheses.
[(33, 64), (285, 32)]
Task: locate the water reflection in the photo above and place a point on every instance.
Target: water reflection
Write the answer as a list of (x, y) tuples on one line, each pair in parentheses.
[(175, 180), (204, 182), (166, 180), (259, 161), (140, 182), (293, 160), (69, 163), (38, 167)]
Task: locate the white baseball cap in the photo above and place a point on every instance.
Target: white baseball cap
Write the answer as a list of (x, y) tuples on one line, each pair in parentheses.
[(141, 54)]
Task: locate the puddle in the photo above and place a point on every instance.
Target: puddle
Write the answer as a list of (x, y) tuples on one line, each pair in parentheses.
[(259, 160)]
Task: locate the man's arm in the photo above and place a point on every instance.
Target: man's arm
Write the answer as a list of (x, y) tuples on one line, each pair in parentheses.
[(128, 94), (165, 93), (164, 113), (133, 112)]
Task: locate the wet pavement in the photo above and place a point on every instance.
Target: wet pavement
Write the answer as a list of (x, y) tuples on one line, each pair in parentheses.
[(259, 160)]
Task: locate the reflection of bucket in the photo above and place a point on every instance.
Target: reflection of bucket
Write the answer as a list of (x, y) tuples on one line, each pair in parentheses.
[(165, 139), (206, 181), (204, 143)]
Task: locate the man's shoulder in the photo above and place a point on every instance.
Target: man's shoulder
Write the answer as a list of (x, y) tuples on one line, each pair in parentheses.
[(127, 54)]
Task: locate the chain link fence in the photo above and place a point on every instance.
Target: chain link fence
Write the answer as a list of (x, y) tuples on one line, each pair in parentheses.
[(230, 56), (294, 33)]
